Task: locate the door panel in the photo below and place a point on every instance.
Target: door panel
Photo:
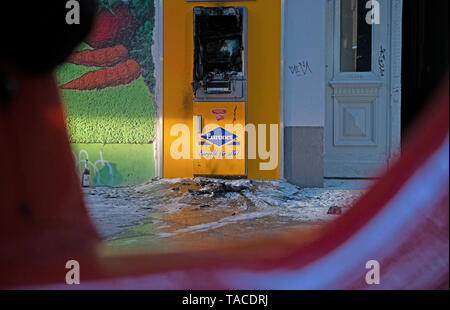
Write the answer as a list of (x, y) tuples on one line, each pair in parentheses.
[(357, 116), (219, 148), (355, 122), (357, 128)]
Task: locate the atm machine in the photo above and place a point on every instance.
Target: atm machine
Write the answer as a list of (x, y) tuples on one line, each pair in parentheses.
[(220, 91)]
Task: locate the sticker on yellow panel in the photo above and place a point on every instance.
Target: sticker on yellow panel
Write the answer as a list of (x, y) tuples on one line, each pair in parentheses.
[(220, 147)]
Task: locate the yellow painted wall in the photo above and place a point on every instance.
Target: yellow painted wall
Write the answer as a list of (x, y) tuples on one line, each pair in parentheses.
[(263, 75)]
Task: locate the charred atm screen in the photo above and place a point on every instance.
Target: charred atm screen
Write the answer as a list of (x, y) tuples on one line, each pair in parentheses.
[(220, 53)]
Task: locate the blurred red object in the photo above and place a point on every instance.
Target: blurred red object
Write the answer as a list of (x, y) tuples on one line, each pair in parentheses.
[(44, 222)]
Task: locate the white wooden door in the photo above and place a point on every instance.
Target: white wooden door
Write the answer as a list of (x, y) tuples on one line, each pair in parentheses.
[(358, 133)]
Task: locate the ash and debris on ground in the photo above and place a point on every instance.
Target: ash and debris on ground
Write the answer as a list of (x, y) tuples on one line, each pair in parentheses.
[(214, 208)]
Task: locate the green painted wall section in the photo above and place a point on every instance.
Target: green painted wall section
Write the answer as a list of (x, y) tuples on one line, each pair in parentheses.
[(111, 116), (121, 114), (116, 164)]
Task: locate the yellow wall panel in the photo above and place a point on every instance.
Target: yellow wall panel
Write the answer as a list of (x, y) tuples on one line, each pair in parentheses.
[(263, 75)]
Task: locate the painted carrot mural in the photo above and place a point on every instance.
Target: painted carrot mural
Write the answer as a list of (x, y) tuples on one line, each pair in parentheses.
[(104, 57), (111, 75), (120, 74)]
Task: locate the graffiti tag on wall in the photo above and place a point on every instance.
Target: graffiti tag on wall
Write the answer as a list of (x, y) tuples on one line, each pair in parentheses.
[(302, 68), (102, 172), (382, 61)]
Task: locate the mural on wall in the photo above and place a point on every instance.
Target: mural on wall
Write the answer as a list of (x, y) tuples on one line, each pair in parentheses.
[(96, 167), (107, 84), (111, 164)]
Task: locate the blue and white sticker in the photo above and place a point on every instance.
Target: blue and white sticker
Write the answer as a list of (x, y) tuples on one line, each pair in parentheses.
[(219, 136)]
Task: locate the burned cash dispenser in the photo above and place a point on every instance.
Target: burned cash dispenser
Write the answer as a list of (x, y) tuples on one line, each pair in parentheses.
[(220, 90), (220, 54)]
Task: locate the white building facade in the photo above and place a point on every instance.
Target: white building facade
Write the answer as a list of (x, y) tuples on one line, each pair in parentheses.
[(341, 88)]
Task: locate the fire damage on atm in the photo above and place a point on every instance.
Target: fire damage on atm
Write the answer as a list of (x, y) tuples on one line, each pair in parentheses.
[(220, 44)]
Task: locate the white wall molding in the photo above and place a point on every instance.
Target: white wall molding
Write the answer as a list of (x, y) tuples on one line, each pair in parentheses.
[(282, 86), (358, 89), (157, 53), (396, 77)]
